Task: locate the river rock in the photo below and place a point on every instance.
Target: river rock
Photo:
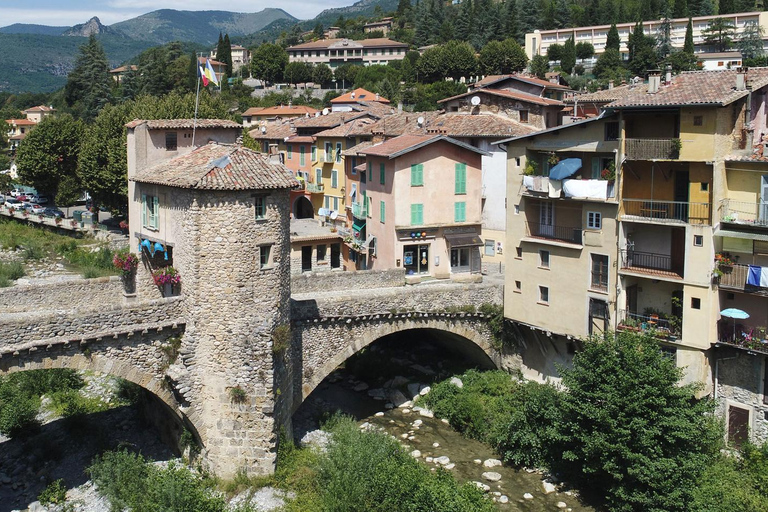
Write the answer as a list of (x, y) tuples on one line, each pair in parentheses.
[(417, 423), (477, 461), (396, 397), (435, 445), (317, 438), (528, 496), (35, 506), (423, 369), (377, 394), (389, 406), (398, 381), (429, 460), (425, 390), (483, 487), (445, 421), (492, 476), (450, 466), (456, 382), (379, 414), (561, 504), (413, 388), (549, 487), (503, 499), (442, 460), (491, 463), (360, 387), (426, 413), (407, 404), (406, 411), (416, 454)]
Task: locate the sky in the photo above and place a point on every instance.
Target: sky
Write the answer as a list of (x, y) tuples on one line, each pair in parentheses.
[(73, 12)]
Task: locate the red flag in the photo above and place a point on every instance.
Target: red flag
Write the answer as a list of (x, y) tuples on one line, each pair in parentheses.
[(202, 74)]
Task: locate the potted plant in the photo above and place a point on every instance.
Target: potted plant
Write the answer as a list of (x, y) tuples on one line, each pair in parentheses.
[(530, 167), (609, 173), (166, 278), (127, 263), (57, 220), (123, 226), (553, 159)]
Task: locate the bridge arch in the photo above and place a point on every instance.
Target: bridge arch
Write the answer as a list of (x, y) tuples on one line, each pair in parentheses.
[(464, 333)]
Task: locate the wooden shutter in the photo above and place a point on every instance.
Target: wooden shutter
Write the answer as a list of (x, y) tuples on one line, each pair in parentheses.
[(382, 174), (417, 214), (144, 210), (417, 175), (460, 211), (461, 178), (155, 211), (383, 211)]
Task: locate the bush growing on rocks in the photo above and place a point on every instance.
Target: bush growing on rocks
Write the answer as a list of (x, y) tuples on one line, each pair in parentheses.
[(18, 411)]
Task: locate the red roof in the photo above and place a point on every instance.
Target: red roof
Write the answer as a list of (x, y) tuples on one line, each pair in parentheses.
[(398, 146), (20, 122), (517, 95), (280, 110), (359, 94), (182, 124)]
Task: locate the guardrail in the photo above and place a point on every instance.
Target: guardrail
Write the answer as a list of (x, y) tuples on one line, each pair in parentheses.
[(652, 149), (664, 211), (742, 212), (569, 234)]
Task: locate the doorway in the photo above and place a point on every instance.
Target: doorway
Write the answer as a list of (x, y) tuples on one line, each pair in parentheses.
[(682, 186), (302, 208), (306, 258), (738, 425), (416, 259)]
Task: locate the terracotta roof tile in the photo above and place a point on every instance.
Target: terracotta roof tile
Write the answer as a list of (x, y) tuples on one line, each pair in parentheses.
[(505, 93), (402, 123), (365, 43), (357, 148), (280, 110), (273, 131), (40, 108), (181, 124), (355, 128), (492, 79), (393, 148), (328, 121), (359, 94), (220, 167), (482, 125), (20, 122)]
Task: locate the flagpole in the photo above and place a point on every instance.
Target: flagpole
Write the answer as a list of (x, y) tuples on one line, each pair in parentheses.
[(197, 99)]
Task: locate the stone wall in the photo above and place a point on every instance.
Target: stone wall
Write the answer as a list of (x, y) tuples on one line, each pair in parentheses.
[(740, 382), (311, 282), (76, 293)]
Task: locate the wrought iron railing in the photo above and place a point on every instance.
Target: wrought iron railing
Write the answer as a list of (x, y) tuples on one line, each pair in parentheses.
[(315, 188), (664, 327), (652, 149), (650, 260), (663, 211), (564, 233), (359, 211), (742, 212)]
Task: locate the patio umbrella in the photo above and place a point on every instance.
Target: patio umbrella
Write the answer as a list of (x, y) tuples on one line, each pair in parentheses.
[(565, 168), (734, 313)]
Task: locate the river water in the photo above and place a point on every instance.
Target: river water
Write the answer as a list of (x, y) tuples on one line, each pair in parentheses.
[(349, 390)]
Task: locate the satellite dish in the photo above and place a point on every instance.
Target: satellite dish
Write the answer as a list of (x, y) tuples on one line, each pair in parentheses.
[(420, 120), (475, 100), (352, 95), (306, 115), (317, 114), (334, 215), (263, 129), (325, 111)]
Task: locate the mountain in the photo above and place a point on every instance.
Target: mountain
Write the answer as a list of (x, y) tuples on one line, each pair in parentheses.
[(168, 25), (92, 26), (362, 8), (26, 28)]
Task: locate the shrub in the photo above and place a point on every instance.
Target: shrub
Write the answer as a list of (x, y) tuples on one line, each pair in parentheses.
[(18, 412), (10, 272), (238, 395), (34, 250), (281, 339), (54, 494)]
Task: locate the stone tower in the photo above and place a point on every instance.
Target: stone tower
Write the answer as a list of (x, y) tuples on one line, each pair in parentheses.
[(219, 215)]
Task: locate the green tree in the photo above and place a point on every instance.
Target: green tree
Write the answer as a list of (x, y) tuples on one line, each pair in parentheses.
[(751, 41), (630, 432), (268, 62), (584, 50), (226, 55), (688, 45), (642, 54), (322, 74), (609, 66), (89, 84), (298, 72), (555, 52), (719, 33), (345, 75), (680, 9), (502, 57), (681, 61), (102, 163), (539, 66), (458, 59), (568, 59), (613, 41), (48, 156), (431, 65)]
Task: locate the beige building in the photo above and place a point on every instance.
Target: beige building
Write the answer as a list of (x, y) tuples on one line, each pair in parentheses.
[(384, 25), (19, 128), (335, 52), (675, 150), (256, 116), (537, 42)]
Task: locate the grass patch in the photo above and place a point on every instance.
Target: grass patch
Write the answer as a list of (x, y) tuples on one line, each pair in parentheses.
[(10, 272)]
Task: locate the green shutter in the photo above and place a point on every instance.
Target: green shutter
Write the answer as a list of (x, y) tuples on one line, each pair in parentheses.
[(417, 175), (155, 211), (383, 211), (144, 210), (596, 168), (301, 155), (460, 211), (382, 174), (461, 178), (289, 150), (417, 214)]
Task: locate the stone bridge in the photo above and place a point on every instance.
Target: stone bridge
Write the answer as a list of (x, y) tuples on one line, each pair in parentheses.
[(94, 325)]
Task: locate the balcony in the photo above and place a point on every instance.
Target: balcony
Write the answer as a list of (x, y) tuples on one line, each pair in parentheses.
[(736, 277), (360, 211), (667, 211), (568, 234), (661, 325), (744, 213), (314, 188), (652, 149), (328, 157), (650, 263), (571, 188)]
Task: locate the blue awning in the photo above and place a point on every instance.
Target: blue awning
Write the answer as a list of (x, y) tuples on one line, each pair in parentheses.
[(358, 225)]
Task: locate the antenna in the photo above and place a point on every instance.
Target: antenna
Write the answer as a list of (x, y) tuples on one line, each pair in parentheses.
[(475, 100)]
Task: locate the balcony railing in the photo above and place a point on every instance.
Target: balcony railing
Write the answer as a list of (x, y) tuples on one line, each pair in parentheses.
[(314, 188), (328, 157), (563, 233), (665, 328), (359, 211), (652, 149), (735, 277), (649, 260), (741, 212), (666, 211)]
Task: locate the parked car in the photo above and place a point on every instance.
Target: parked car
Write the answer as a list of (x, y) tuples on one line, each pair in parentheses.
[(37, 209), (22, 197), (53, 212), (17, 192), (12, 202), (42, 200)]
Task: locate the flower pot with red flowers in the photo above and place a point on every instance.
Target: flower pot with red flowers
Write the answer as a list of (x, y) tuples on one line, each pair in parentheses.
[(127, 263), (167, 279)]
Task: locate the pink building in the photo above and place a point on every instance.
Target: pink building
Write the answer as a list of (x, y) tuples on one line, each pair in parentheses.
[(424, 195)]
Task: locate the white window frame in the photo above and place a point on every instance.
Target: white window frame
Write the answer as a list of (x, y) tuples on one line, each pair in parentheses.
[(545, 261), (543, 291), (260, 205), (594, 220), (269, 263)]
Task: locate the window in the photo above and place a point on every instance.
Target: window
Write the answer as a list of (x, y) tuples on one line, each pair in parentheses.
[(461, 178), (352, 165), (265, 256), (171, 141), (334, 178), (318, 176), (417, 175), (544, 259), (313, 153), (338, 152), (599, 273), (594, 220), (705, 187), (382, 211), (261, 208), (460, 211), (518, 286), (301, 155), (328, 152), (612, 130), (695, 303), (321, 252), (698, 240), (698, 120), (523, 116), (150, 206), (543, 295), (382, 174), (289, 151), (490, 247), (417, 214), (518, 252)]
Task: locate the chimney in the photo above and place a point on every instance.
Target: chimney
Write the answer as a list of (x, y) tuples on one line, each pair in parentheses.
[(610, 84), (377, 96), (741, 79), (654, 80), (399, 107), (668, 77)]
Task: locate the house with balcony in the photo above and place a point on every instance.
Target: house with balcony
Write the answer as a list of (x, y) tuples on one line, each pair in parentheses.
[(335, 52), (19, 128), (424, 200)]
